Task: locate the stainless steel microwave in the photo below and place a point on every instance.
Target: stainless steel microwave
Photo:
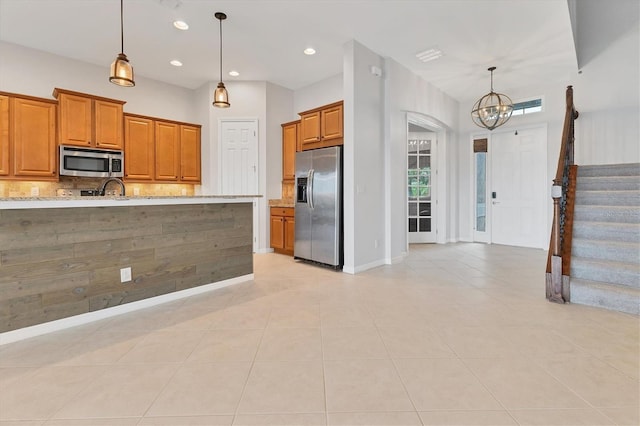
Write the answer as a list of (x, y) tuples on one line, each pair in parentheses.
[(86, 162)]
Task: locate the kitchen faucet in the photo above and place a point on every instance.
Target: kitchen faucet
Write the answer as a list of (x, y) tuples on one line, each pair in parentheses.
[(103, 187)]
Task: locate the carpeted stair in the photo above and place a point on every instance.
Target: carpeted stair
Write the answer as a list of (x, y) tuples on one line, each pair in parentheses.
[(605, 251)]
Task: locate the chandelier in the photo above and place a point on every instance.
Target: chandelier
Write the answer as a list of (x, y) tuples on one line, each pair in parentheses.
[(493, 109)]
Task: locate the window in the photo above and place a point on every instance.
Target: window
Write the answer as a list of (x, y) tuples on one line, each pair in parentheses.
[(527, 107)]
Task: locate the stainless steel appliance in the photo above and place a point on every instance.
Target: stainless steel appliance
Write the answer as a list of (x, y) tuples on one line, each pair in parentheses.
[(86, 162), (318, 208)]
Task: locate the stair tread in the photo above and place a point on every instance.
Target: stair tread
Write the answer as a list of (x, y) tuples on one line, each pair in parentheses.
[(594, 223), (601, 284), (629, 266), (632, 178), (614, 243), (608, 191)]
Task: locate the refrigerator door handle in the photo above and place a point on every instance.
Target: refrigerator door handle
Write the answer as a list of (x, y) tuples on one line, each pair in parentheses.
[(310, 188)]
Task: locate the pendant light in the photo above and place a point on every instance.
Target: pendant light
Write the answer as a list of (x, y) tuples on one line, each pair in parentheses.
[(220, 96), (121, 69), (493, 109)]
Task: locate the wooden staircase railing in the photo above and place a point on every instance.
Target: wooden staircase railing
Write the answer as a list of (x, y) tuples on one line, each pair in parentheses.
[(563, 193)]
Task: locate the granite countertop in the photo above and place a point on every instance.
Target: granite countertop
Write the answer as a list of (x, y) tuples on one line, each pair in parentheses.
[(282, 202), (115, 201)]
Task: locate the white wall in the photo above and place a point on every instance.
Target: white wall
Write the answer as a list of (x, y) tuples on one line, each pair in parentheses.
[(33, 72), (279, 110), (407, 92), (364, 181), (323, 92), (608, 137)]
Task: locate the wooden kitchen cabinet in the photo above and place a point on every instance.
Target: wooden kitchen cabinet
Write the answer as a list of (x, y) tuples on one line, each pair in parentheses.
[(189, 153), (139, 146), (322, 127), (27, 138), (33, 130), (289, 233), (89, 121), (158, 150), (289, 148), (167, 151), (4, 135), (283, 227)]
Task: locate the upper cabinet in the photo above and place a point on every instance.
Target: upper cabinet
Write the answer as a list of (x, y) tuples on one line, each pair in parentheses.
[(161, 150), (89, 121), (33, 130), (27, 137), (167, 151), (290, 143), (189, 153), (322, 127), (139, 137), (4, 135)]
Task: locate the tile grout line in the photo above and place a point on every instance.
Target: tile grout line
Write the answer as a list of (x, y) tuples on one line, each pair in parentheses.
[(253, 362)]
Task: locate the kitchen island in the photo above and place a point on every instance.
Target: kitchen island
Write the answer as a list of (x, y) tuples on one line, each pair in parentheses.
[(66, 258)]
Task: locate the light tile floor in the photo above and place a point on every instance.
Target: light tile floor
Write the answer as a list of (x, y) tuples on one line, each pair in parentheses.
[(457, 334)]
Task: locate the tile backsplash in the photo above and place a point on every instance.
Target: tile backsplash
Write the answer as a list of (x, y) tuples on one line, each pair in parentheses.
[(13, 188)]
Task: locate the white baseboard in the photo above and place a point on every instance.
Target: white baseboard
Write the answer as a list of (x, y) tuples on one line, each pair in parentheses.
[(64, 323), (264, 250), (364, 267)]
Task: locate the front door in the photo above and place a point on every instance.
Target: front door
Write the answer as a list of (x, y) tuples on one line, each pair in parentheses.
[(519, 187)]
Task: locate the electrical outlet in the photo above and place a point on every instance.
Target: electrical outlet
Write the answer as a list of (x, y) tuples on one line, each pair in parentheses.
[(35, 191), (125, 275), (136, 191), (184, 191), (375, 243)]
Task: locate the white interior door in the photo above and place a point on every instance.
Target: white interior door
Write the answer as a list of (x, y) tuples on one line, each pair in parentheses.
[(238, 157), (421, 191), (238, 164), (519, 187)]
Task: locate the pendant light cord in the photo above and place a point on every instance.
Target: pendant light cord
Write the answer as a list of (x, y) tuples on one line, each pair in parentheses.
[(121, 26), (220, 48)]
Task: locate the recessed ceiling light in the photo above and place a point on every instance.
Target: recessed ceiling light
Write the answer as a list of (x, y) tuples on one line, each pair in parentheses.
[(309, 51), (234, 73), (176, 63), (429, 54), (181, 25)]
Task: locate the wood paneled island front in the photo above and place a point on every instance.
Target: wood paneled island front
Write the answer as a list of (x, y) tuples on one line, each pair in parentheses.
[(61, 257)]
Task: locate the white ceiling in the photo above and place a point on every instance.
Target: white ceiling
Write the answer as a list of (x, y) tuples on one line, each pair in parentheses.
[(528, 40)]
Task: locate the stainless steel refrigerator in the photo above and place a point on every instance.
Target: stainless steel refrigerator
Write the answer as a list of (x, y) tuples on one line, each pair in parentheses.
[(318, 209)]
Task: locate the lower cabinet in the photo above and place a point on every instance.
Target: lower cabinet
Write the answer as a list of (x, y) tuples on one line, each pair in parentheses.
[(283, 227)]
